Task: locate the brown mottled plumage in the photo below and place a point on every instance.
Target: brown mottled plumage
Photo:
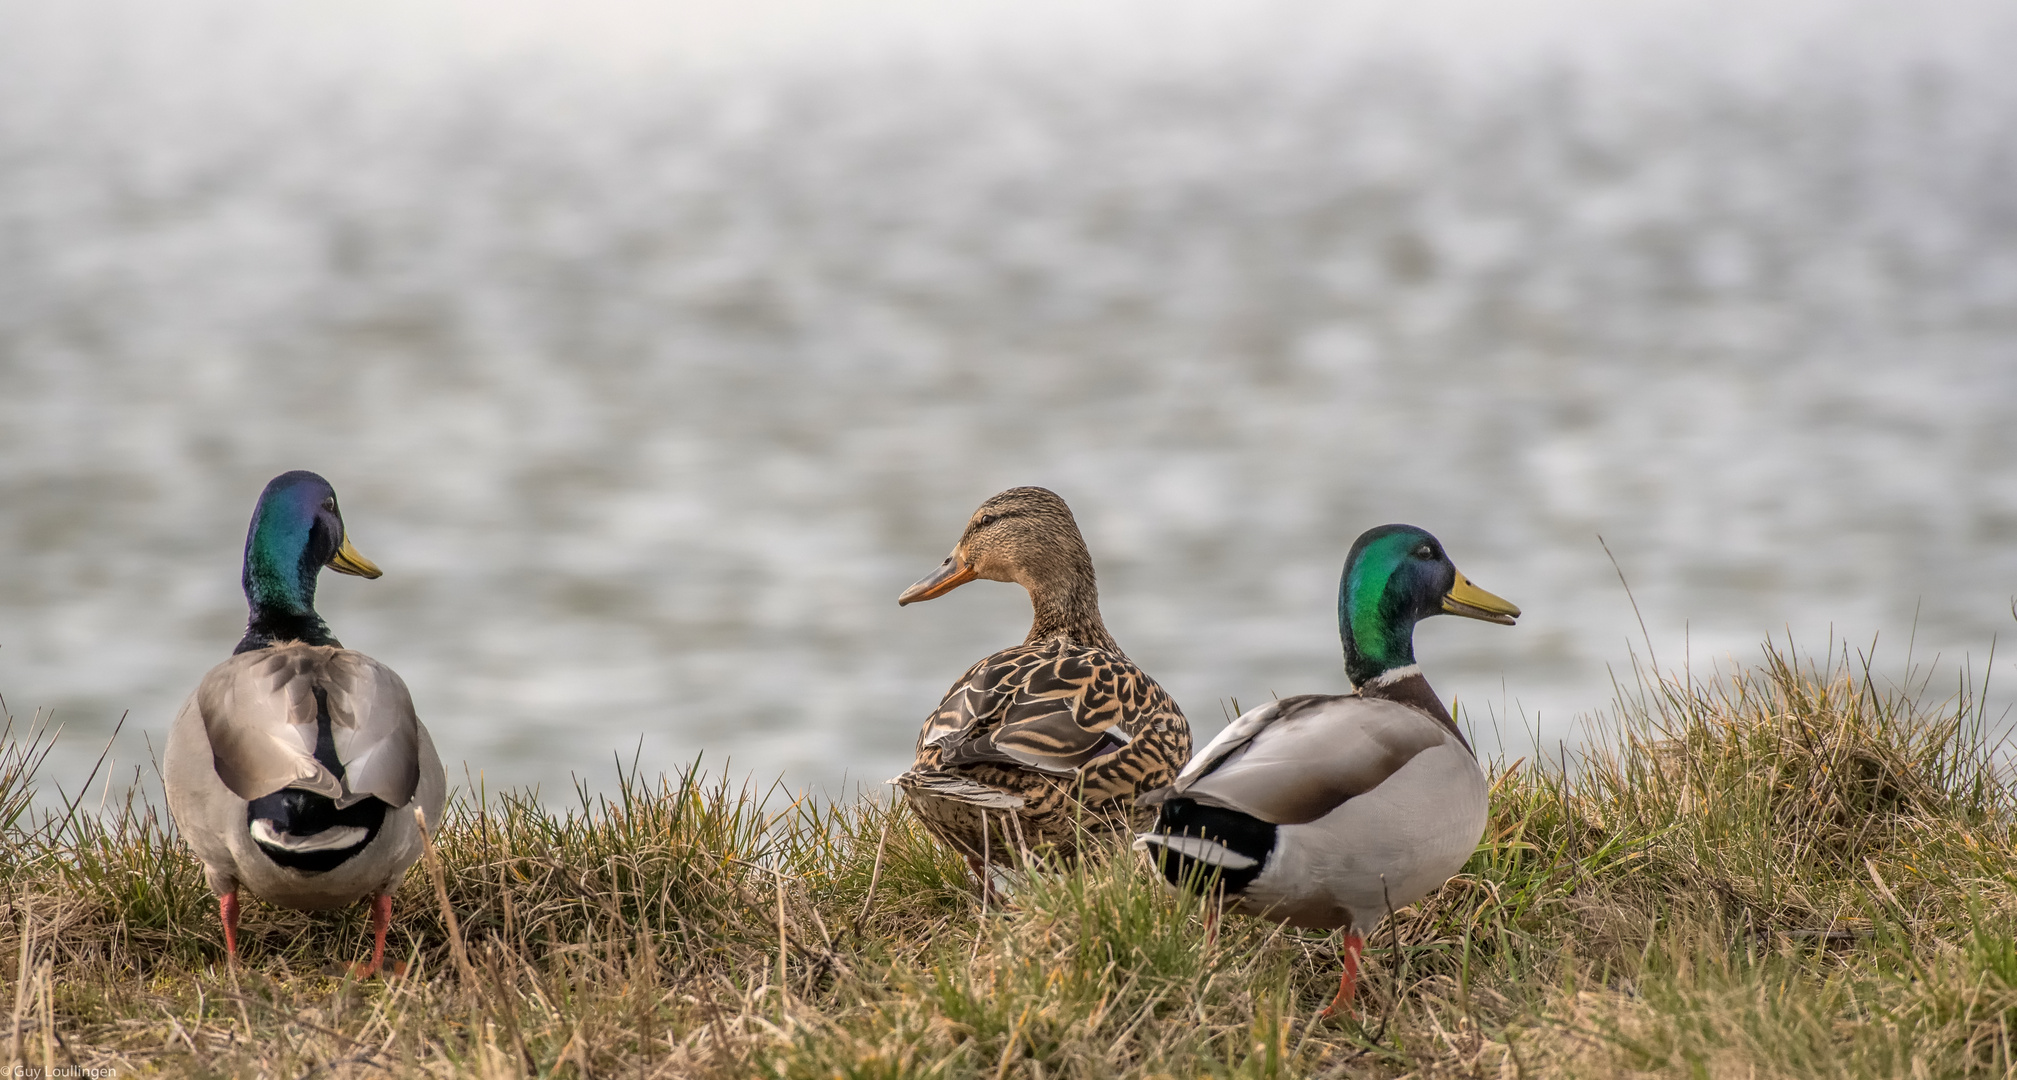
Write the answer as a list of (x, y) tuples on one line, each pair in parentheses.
[(1042, 743)]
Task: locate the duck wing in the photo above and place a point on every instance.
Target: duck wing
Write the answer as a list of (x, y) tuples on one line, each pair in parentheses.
[(265, 713), (1051, 707), (1292, 761), (376, 732)]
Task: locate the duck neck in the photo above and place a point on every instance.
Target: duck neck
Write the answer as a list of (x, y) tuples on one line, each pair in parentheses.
[(279, 580), (1408, 686), (1066, 605), (1377, 640), (1380, 655)]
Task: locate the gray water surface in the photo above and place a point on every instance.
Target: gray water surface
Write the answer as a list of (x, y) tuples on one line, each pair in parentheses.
[(651, 390)]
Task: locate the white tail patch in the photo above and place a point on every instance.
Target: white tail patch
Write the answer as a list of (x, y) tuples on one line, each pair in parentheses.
[(343, 836), (1197, 847)]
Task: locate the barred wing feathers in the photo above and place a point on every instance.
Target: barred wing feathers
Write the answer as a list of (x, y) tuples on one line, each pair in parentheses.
[(1051, 707)]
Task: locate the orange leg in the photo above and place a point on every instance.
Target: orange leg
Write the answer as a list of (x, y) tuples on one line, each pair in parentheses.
[(1211, 922), (227, 907), (1349, 981), (381, 921)]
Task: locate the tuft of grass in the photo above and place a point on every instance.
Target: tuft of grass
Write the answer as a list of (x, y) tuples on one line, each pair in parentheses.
[(1793, 869)]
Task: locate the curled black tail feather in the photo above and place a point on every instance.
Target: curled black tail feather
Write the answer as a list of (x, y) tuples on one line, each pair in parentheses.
[(1240, 833), (294, 812)]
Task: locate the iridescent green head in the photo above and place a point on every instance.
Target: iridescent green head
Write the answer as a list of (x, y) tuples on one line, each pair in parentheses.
[(296, 531), (1396, 576)]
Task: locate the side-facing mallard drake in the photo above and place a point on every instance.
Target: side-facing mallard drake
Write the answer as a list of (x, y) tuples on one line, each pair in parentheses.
[(1054, 736), (297, 765), (1328, 811)]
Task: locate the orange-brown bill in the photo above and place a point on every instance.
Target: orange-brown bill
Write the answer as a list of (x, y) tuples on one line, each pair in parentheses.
[(950, 575)]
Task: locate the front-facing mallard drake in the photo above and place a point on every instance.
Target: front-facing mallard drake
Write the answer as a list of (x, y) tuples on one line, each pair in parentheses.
[(1328, 811), (1042, 743), (296, 766)]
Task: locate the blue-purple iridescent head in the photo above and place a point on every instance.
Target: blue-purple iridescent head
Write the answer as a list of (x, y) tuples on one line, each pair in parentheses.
[(296, 531), (1396, 576)]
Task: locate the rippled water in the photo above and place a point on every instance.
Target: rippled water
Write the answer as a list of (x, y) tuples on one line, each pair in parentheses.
[(650, 391)]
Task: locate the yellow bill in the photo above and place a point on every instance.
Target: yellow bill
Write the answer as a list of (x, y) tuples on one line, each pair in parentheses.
[(1472, 602), (349, 560)]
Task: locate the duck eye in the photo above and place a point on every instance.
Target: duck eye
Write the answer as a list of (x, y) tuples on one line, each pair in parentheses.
[(1425, 552), (329, 504), (986, 520)]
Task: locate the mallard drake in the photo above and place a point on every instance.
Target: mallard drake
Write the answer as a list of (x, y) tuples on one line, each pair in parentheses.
[(1047, 741), (296, 767), (1326, 810)]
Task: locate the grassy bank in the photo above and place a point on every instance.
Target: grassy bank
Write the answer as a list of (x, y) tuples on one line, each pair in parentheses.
[(1797, 870)]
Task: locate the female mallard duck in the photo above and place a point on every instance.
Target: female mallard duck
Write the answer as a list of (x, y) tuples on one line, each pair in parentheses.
[(297, 765), (1326, 810), (1056, 735)]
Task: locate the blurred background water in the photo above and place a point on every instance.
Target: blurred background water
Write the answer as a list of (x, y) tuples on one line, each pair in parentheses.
[(654, 348)]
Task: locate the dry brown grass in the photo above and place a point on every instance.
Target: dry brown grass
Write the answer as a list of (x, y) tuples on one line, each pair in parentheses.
[(1787, 872)]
